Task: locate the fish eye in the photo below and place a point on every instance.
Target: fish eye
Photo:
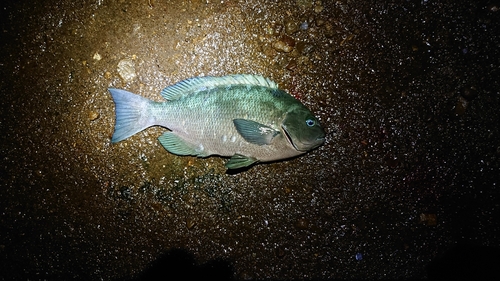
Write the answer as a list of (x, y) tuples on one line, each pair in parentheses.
[(310, 122)]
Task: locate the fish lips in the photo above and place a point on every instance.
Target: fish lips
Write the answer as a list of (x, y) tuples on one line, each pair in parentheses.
[(302, 146)]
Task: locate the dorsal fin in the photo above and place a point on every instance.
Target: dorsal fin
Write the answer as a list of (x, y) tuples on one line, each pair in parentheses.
[(196, 84)]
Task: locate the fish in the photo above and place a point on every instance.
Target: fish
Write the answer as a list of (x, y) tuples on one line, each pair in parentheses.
[(244, 117)]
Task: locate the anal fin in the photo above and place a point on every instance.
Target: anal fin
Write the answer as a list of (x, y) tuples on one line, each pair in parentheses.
[(240, 161)]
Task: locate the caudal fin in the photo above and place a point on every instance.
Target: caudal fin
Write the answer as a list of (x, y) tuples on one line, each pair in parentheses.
[(132, 114)]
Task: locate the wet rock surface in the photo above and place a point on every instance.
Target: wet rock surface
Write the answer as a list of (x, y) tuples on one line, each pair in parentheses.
[(408, 93)]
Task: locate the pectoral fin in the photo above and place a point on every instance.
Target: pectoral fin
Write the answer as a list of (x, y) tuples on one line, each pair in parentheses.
[(176, 145), (240, 161), (255, 132)]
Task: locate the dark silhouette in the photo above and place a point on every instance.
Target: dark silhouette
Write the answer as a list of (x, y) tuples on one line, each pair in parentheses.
[(466, 261), (178, 264)]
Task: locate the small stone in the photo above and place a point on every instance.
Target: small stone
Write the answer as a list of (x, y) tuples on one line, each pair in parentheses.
[(304, 4), (461, 106), (428, 219), (493, 8), (304, 48), (97, 56), (280, 252), (318, 9), (392, 161), (288, 40), (302, 224), (308, 48), (469, 93), (304, 61), (126, 193), (304, 25), (268, 50), (294, 53), (93, 115), (292, 65), (347, 39), (282, 46), (329, 30), (277, 29), (190, 223), (291, 27), (126, 69)]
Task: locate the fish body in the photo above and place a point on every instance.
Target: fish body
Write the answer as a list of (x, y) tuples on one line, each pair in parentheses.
[(245, 117)]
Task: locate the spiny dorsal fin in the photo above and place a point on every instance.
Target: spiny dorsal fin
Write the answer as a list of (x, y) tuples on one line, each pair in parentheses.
[(196, 84)]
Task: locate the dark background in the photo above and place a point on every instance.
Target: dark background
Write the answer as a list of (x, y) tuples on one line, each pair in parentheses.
[(406, 185)]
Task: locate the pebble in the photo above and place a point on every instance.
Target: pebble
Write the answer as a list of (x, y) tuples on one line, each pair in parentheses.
[(285, 44), (304, 25), (269, 50), (280, 252), (190, 223), (329, 30), (469, 93), (304, 4), (93, 115), (428, 219), (302, 223), (126, 193), (292, 65), (126, 69), (288, 40), (392, 161), (493, 8), (304, 48), (291, 27), (318, 9), (461, 106), (97, 56), (277, 29)]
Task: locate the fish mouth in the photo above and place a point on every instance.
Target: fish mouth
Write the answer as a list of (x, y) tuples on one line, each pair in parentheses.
[(289, 138), (305, 146)]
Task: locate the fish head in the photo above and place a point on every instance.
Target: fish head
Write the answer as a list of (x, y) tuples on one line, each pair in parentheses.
[(303, 130)]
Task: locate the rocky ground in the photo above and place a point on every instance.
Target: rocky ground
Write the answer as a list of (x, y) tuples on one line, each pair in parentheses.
[(407, 92)]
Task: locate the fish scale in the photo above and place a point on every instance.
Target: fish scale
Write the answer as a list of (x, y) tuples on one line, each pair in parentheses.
[(219, 104), (245, 117)]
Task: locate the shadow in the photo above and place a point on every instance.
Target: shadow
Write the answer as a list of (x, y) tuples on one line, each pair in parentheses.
[(233, 172), (178, 264), (466, 261)]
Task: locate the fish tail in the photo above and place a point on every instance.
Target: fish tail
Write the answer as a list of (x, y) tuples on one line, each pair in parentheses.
[(132, 114)]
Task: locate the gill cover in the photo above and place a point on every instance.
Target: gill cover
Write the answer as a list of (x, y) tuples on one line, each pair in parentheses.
[(303, 130)]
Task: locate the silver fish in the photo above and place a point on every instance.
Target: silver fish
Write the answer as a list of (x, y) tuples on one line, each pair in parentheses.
[(245, 117)]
